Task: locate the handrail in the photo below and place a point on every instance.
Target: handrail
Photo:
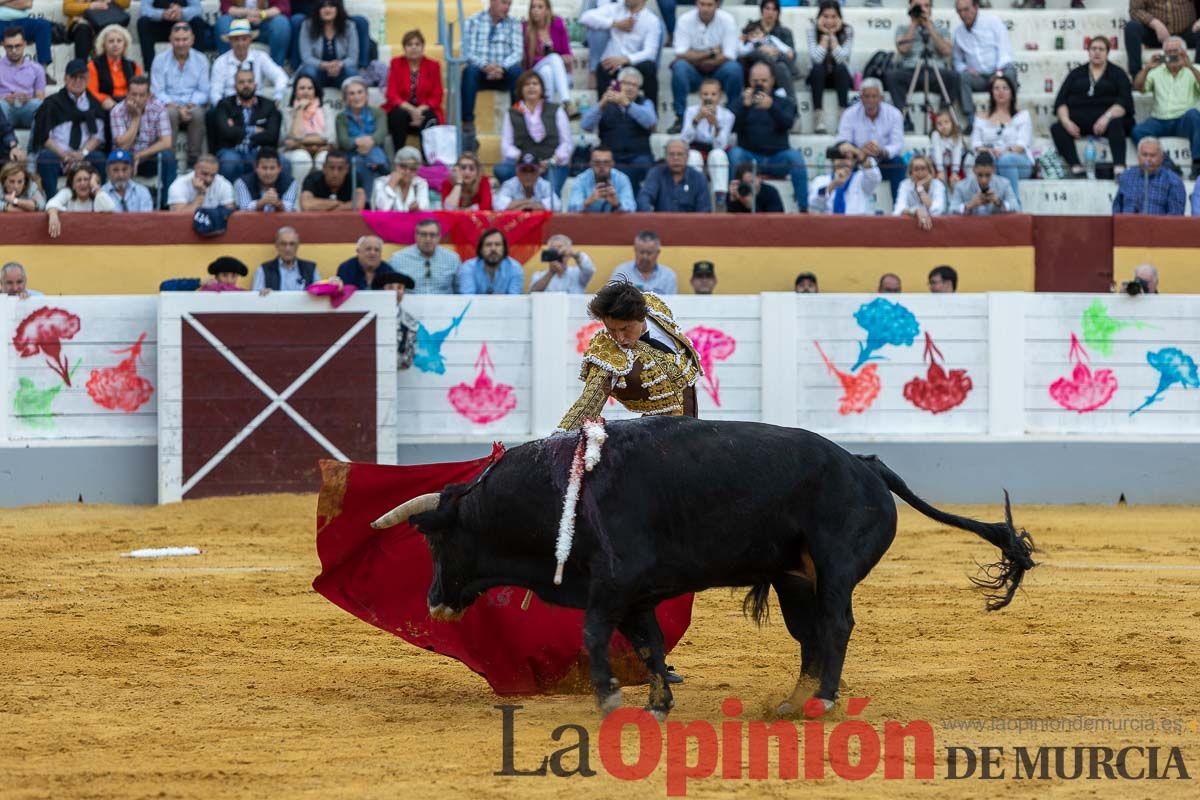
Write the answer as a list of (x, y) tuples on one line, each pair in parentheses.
[(454, 62)]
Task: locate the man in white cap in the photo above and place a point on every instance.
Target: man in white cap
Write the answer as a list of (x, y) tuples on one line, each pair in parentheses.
[(268, 18), (241, 56)]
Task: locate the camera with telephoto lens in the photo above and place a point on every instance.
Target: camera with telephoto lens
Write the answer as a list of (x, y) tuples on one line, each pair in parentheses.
[(550, 254), (1136, 286), (916, 12), (744, 189)]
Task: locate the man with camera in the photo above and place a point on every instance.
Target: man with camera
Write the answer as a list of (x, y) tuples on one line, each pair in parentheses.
[(849, 189), (1175, 83), (706, 130), (749, 195), (924, 47), (983, 192), (624, 119), (674, 187), (601, 188), (981, 50), (1152, 22), (877, 129), (764, 116), (559, 275), (706, 45), (1151, 188)]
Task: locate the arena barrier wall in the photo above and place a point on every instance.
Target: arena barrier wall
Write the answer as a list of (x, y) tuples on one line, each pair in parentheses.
[(752, 254), (918, 371)]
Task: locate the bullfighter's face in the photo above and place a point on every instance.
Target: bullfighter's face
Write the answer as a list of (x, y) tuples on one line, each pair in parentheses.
[(624, 331)]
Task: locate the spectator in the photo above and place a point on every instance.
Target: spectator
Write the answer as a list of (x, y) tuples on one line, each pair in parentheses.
[(706, 45), (981, 50), (558, 276), (634, 40), (535, 126), (527, 190), (331, 189), (414, 92), (624, 119), (109, 71), (263, 17), (765, 116), (268, 188), (601, 188), (10, 148), (492, 271), (286, 272), (244, 123), (850, 186), (921, 196), (704, 277), (876, 128), (308, 128), (467, 189), (749, 194), (179, 79), (15, 282), (225, 271), (765, 40), (128, 195), (140, 125), (361, 130), (830, 41), (548, 52), (82, 193), (923, 37), (1151, 188), (984, 192), (361, 270), (240, 56), (69, 128), (1175, 83), (706, 130), (644, 272), (1005, 132), (491, 45), (328, 45), (947, 149), (1145, 278), (303, 9), (15, 14), (22, 83), (434, 268), (674, 186), (1096, 99), (404, 189), (943, 280), (157, 20), (203, 187), (82, 31), (889, 283), (1152, 22), (19, 189), (406, 324), (806, 283)]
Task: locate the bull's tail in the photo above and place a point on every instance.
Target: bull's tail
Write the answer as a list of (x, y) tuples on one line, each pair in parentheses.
[(756, 605), (1001, 579)]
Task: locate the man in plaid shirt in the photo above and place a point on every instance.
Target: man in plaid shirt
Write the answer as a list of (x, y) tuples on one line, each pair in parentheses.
[(1151, 188), (141, 125), (1151, 22), (492, 46)]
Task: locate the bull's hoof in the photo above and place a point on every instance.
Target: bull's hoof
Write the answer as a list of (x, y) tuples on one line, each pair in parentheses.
[(611, 702)]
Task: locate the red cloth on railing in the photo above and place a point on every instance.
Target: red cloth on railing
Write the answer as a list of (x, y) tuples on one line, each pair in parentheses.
[(461, 229), (383, 577)]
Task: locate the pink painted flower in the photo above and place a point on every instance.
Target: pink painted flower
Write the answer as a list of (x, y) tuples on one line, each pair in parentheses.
[(583, 337), (483, 401), (712, 345), (1085, 390)]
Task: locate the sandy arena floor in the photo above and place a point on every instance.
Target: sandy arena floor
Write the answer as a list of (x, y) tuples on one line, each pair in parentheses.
[(225, 675)]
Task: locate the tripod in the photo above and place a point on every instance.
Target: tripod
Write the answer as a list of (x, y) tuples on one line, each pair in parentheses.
[(925, 65)]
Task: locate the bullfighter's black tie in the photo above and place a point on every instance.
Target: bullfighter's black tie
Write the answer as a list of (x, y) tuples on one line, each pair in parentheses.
[(655, 343)]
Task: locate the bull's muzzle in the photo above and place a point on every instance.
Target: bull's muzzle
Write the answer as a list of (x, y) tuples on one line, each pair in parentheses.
[(444, 613), (401, 513)]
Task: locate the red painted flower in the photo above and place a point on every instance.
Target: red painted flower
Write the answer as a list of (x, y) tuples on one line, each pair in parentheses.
[(858, 390), (938, 391), (1085, 390), (43, 332), (120, 388), (483, 401), (712, 345)]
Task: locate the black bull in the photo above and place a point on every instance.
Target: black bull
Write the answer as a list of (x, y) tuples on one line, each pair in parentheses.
[(680, 505)]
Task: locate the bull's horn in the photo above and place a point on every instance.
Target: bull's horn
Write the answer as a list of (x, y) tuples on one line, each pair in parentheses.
[(418, 505)]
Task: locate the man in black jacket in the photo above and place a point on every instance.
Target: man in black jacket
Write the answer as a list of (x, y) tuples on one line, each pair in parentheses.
[(242, 123), (286, 272), (764, 116), (68, 128)]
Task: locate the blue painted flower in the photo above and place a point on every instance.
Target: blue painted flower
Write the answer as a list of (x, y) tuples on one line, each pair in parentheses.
[(1174, 366), (427, 355), (885, 323)]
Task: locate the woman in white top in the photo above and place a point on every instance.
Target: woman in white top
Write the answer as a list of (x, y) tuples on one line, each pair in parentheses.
[(404, 189), (19, 189), (1005, 132), (921, 195), (308, 129), (82, 193)]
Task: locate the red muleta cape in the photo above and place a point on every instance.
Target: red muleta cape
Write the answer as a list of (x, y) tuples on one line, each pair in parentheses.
[(382, 577)]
